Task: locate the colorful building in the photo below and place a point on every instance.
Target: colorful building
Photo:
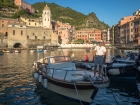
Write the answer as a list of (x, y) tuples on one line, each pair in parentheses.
[(88, 35)]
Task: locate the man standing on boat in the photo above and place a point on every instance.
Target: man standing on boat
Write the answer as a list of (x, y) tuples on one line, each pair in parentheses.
[(99, 57)]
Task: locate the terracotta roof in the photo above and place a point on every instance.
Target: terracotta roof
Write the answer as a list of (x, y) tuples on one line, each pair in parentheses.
[(46, 8)]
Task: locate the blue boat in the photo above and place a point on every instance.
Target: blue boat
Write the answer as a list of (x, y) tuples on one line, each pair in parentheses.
[(1, 53)]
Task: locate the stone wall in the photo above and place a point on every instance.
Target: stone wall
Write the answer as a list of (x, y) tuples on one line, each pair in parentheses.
[(34, 43)]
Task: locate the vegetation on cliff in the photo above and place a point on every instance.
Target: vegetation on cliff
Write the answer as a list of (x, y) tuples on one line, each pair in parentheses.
[(59, 13), (68, 15)]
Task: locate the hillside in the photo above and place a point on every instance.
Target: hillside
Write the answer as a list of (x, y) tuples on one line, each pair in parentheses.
[(68, 15), (59, 13)]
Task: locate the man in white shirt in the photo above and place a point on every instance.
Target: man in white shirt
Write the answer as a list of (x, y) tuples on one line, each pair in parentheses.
[(99, 57)]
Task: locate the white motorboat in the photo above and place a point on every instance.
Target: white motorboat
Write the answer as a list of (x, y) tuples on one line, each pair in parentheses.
[(114, 70), (17, 51), (32, 51), (130, 59), (60, 75), (45, 50)]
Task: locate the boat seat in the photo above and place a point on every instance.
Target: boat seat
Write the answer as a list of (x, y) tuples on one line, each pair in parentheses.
[(61, 66)]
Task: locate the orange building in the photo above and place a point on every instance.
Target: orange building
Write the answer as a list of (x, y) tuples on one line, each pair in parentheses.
[(88, 35)]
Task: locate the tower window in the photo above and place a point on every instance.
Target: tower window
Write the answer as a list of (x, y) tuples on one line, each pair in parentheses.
[(13, 32), (35, 37), (21, 32), (27, 37), (44, 37)]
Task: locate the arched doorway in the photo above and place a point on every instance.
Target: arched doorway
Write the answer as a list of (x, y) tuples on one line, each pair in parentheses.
[(17, 45)]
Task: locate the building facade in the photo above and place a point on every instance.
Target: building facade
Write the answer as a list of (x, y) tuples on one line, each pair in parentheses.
[(88, 35), (19, 32)]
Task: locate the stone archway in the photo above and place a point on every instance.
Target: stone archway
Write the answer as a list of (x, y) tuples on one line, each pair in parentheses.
[(17, 45)]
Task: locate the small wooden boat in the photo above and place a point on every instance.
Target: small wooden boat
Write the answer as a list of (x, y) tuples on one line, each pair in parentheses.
[(4, 51)]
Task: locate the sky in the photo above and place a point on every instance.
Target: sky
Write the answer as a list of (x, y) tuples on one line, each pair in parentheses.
[(107, 11)]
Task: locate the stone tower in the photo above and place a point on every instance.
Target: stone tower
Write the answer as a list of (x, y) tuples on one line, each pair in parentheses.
[(18, 2), (46, 17)]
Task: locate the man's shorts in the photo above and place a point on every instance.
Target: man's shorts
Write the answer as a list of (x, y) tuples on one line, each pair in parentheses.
[(98, 60)]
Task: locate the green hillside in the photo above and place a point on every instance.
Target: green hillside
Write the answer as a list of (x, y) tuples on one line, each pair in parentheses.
[(59, 13), (68, 15)]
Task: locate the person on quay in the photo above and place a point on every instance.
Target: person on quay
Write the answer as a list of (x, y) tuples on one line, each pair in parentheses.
[(86, 57), (99, 57)]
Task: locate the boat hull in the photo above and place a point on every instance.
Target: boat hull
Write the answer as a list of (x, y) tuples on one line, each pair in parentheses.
[(85, 95), (128, 72)]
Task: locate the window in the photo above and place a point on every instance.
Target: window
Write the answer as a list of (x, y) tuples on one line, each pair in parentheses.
[(21, 32), (35, 24), (13, 32), (2, 25), (27, 37), (44, 37), (35, 37), (29, 23)]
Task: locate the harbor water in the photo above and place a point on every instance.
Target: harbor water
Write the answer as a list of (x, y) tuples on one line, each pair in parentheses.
[(18, 87)]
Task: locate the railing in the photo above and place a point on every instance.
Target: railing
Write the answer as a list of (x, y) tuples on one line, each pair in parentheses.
[(82, 73)]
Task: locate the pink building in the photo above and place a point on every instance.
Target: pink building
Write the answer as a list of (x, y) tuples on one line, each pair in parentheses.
[(126, 29), (136, 30), (64, 32)]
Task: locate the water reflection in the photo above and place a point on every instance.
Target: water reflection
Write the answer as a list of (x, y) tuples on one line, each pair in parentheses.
[(17, 85)]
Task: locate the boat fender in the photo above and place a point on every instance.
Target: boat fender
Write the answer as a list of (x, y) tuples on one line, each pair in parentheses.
[(114, 71), (45, 82), (40, 78), (138, 68), (36, 75)]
